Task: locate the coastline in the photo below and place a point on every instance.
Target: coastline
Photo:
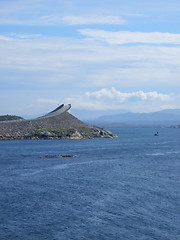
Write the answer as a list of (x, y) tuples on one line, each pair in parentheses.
[(53, 126), (54, 134)]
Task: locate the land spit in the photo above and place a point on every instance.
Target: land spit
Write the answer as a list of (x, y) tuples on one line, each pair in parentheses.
[(58, 124)]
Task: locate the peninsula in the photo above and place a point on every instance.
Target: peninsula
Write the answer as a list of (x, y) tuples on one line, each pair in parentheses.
[(57, 124)]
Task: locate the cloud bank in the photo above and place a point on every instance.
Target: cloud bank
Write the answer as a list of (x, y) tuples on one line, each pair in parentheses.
[(118, 96), (124, 37), (77, 50), (113, 99)]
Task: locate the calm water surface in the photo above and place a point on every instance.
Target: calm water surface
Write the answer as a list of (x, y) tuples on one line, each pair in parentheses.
[(122, 188)]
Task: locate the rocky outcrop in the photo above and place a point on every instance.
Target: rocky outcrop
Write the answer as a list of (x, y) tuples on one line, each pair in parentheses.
[(79, 133), (54, 126)]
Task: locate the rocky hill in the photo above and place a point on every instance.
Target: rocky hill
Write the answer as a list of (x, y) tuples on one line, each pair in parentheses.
[(58, 124)]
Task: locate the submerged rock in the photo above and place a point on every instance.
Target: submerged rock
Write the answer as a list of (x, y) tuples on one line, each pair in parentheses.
[(59, 156)]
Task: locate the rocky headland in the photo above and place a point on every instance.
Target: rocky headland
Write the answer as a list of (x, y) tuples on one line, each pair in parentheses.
[(58, 124)]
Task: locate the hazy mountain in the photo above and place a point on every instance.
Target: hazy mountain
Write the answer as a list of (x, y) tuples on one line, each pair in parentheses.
[(164, 118), (88, 115)]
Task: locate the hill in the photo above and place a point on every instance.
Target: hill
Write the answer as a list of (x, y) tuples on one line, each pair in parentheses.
[(167, 117), (9, 118), (58, 124)]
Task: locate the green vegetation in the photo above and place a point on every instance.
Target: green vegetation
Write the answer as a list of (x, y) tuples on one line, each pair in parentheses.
[(38, 130), (9, 118), (85, 128), (59, 129)]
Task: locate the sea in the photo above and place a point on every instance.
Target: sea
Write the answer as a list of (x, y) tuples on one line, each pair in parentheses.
[(111, 189)]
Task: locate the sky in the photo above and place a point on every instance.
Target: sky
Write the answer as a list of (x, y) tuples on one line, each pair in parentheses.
[(98, 55)]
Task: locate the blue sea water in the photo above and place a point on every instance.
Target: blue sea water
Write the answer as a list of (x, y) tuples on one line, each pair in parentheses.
[(122, 188)]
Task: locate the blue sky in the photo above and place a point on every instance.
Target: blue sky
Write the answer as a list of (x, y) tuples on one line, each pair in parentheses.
[(106, 55)]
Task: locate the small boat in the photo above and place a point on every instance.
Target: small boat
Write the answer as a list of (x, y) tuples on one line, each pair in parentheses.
[(156, 134)]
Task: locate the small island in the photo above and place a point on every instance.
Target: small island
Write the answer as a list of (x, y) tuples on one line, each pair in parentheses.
[(58, 124)]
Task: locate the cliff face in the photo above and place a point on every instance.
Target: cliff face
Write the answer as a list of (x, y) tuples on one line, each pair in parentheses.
[(61, 125)]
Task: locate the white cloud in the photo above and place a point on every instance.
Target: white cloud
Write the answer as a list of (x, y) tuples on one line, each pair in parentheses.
[(124, 37), (112, 99), (88, 64), (42, 13), (41, 20), (82, 20), (90, 59), (25, 36), (4, 38), (118, 96)]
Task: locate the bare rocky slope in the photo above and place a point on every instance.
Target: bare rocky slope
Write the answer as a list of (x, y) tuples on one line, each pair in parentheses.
[(61, 125)]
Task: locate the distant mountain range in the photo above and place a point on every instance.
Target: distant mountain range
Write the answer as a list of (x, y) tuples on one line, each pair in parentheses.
[(169, 117)]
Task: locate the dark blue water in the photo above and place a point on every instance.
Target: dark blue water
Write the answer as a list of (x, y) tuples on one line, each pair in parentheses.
[(122, 188)]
